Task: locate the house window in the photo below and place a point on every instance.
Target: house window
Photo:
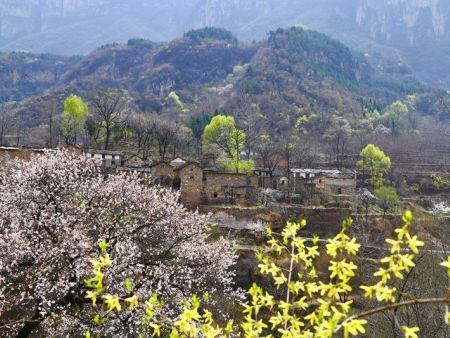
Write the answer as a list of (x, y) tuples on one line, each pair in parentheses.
[(191, 177), (216, 195), (339, 191), (320, 181), (238, 195)]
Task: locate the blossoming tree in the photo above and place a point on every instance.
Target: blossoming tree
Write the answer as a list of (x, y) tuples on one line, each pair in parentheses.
[(56, 209)]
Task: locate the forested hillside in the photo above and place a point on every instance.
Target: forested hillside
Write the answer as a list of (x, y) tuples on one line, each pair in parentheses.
[(297, 83), (23, 74)]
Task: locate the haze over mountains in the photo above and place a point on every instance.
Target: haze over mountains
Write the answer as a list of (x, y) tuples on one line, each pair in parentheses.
[(414, 32)]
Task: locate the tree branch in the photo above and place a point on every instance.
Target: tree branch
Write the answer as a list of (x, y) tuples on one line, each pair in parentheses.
[(389, 307)]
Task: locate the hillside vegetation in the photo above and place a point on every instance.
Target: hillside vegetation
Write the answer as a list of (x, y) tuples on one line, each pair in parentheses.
[(296, 87), (301, 70)]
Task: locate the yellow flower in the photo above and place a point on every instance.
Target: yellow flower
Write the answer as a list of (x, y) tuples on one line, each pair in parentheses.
[(410, 332), (413, 243), (133, 301), (156, 329), (447, 265), (92, 296), (112, 302), (354, 327)]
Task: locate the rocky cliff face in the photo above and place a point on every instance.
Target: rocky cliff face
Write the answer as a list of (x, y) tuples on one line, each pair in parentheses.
[(420, 29), (412, 19)]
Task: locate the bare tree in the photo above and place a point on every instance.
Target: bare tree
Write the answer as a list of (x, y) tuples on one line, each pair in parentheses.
[(143, 129), (51, 123), (337, 136), (110, 108), (165, 134), (268, 154), (6, 122)]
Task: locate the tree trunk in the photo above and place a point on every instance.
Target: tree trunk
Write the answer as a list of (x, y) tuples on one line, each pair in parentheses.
[(108, 135)]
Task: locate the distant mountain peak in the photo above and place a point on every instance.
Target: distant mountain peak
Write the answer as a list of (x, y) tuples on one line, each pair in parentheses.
[(418, 29)]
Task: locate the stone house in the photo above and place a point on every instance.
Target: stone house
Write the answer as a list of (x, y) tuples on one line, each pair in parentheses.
[(188, 179), (8, 154), (230, 188), (108, 159), (134, 161), (336, 184), (321, 181), (26, 154), (162, 173), (201, 186)]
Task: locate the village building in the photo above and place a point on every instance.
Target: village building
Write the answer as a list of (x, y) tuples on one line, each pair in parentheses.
[(108, 159), (134, 161), (188, 179), (205, 186), (311, 173), (11, 153), (230, 188), (336, 184), (268, 178), (323, 186), (162, 173), (199, 186)]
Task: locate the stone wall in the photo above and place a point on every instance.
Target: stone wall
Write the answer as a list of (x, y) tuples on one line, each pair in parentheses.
[(162, 174), (339, 186), (190, 178), (229, 188), (7, 153)]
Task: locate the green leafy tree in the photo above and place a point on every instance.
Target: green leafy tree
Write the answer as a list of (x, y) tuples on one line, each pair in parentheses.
[(221, 136), (180, 107), (394, 116), (377, 162), (74, 118), (176, 100), (214, 33), (388, 197)]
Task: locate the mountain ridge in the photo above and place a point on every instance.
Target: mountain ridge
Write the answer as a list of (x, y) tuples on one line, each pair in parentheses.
[(294, 74), (414, 32)]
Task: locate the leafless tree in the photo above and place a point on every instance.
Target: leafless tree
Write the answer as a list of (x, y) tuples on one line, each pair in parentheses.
[(165, 133), (268, 155), (110, 110), (51, 123), (6, 122), (143, 129)]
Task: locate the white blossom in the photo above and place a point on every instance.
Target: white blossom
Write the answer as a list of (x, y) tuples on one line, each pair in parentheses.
[(55, 209)]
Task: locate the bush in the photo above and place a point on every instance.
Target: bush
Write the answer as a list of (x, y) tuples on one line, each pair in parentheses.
[(388, 198), (304, 304), (141, 43), (213, 33)]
